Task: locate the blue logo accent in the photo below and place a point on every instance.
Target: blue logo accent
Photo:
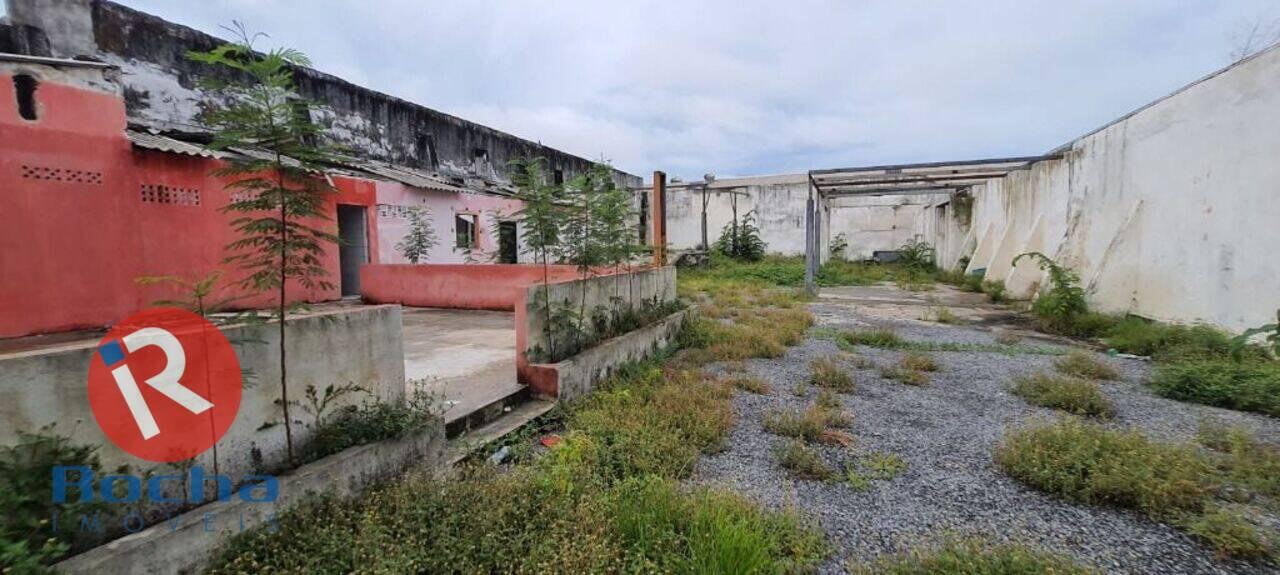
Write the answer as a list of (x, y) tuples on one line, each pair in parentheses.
[(111, 353)]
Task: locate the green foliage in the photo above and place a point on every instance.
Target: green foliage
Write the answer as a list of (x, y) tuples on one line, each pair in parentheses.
[(1080, 363), (1060, 305), (201, 294), (803, 462), (917, 254), (1231, 534), (975, 557), (1246, 386), (1168, 342), (28, 541), (879, 337), (1071, 395), (740, 239), (368, 422), (827, 373), (417, 243), (278, 193), (883, 465), (789, 272), (995, 291)]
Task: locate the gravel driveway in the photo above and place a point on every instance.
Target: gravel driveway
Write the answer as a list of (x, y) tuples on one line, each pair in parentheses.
[(946, 432)]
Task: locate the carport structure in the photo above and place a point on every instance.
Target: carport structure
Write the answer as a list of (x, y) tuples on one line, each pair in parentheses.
[(899, 179)]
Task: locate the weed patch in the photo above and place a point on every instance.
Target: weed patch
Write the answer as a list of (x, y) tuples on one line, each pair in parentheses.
[(1071, 395), (918, 362), (750, 384), (972, 557), (904, 375), (803, 462), (1175, 483), (1083, 364), (1244, 386), (827, 373)]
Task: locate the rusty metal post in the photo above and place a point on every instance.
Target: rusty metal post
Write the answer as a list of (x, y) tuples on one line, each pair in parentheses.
[(658, 215)]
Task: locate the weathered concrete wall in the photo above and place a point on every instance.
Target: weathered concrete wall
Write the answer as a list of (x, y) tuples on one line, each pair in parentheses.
[(87, 213), (577, 376), (364, 346), (160, 87), (442, 210), (614, 292), (187, 542), (875, 223), (869, 223), (456, 286), (1169, 213)]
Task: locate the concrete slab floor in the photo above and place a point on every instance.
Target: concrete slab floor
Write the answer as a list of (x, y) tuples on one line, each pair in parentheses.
[(887, 301), (466, 356)]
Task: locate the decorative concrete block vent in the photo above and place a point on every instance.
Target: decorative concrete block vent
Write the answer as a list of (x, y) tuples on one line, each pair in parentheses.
[(162, 194), (61, 175)]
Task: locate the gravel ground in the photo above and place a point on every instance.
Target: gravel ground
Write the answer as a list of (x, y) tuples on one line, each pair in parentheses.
[(946, 432)]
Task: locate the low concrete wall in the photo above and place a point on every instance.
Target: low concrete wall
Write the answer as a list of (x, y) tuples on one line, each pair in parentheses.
[(455, 286), (187, 542), (577, 376), (361, 345), (627, 290)]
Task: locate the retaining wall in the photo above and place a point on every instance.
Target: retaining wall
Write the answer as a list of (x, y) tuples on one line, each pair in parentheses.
[(362, 345)]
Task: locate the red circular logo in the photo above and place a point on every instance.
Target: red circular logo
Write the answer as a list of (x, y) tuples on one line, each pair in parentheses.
[(164, 385)]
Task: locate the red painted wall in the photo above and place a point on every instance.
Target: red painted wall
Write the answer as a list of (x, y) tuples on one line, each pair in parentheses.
[(76, 231), (459, 286)]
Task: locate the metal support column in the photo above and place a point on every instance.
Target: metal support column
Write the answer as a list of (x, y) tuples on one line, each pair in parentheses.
[(810, 241), (658, 217)]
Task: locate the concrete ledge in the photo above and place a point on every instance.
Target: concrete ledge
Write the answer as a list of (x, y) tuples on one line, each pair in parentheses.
[(575, 377), (187, 542)]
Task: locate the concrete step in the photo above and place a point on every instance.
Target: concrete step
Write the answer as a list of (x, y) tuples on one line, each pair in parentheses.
[(484, 411), (462, 445)]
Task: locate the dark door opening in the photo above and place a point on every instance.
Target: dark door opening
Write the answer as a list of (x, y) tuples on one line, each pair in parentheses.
[(507, 244), (353, 247)]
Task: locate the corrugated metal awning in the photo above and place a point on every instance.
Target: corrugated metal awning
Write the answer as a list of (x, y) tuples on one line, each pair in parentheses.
[(150, 140)]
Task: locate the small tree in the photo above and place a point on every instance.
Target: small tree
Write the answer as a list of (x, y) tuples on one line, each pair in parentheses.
[(740, 239), (539, 220), (279, 193), (417, 244)]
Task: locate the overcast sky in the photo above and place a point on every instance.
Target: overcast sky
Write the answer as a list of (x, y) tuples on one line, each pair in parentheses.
[(745, 87)]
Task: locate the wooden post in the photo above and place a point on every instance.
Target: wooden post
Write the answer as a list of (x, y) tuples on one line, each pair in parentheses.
[(658, 215)]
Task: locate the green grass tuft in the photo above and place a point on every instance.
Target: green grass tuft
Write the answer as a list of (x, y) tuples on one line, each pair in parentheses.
[(1068, 394), (827, 373), (1245, 386), (803, 462), (1080, 363), (972, 557)]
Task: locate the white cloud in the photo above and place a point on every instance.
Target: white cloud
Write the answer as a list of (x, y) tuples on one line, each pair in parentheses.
[(749, 87)]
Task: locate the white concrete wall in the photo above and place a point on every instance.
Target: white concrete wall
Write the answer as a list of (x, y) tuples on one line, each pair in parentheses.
[(869, 223), (777, 200), (1170, 213), (876, 223)]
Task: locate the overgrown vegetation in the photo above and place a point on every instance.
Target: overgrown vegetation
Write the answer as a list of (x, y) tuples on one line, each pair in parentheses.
[(367, 422), (917, 361), (888, 339), (975, 557), (1242, 385), (904, 375), (750, 384), (1068, 394), (30, 539), (605, 499), (1061, 304), (1175, 483)]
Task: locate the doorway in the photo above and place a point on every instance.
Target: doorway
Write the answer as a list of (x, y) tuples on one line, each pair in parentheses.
[(508, 246), (353, 247)]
